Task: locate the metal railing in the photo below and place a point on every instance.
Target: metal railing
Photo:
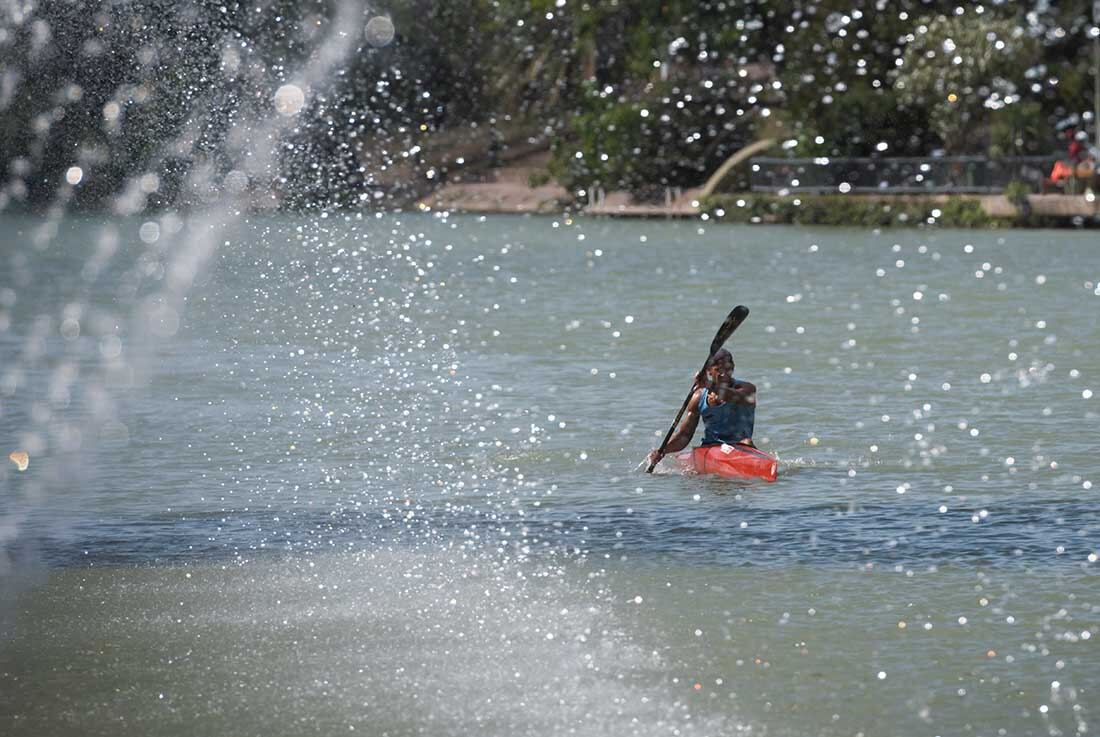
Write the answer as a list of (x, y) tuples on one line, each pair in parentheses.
[(901, 175)]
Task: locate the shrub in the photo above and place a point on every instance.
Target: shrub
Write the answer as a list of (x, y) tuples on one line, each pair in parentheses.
[(538, 178), (955, 212)]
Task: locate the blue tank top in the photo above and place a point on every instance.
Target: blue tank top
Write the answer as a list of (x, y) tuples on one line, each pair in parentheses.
[(726, 423)]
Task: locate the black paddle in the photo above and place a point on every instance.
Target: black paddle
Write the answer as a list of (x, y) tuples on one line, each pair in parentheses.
[(733, 320)]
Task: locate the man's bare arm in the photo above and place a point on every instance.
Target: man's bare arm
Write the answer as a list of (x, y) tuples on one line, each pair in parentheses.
[(686, 431), (743, 393)]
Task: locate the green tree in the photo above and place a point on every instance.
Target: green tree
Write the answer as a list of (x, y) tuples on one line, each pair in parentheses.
[(966, 71), (836, 66), (675, 134)]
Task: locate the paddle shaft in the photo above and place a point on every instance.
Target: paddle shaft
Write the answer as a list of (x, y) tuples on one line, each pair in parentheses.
[(732, 321)]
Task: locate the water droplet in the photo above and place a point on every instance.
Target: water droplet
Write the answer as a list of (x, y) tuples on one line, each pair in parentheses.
[(380, 31), (289, 100)]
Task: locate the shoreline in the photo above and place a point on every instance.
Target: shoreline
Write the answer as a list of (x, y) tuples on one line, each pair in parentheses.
[(510, 195), (520, 186), (508, 191)]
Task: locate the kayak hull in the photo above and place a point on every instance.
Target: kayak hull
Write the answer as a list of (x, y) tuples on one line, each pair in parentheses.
[(729, 461)]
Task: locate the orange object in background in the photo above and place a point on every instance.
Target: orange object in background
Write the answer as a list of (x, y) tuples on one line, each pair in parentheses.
[(1061, 170), (729, 461)]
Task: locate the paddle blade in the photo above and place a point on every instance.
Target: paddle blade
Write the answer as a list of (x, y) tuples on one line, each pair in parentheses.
[(733, 320)]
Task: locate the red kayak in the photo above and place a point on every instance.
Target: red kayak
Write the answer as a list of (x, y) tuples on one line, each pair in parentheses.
[(729, 461)]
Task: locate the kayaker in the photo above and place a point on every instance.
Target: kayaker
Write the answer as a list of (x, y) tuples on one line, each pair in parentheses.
[(726, 405)]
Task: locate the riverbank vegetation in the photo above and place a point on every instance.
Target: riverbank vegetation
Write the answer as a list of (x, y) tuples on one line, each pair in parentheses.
[(952, 212), (156, 102)]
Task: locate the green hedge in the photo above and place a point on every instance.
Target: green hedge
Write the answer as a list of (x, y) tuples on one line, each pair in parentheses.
[(956, 212)]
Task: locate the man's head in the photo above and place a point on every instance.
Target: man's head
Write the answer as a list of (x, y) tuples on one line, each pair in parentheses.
[(720, 366)]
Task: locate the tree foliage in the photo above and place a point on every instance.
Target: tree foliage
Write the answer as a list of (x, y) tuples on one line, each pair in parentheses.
[(965, 72), (671, 134), (158, 100)]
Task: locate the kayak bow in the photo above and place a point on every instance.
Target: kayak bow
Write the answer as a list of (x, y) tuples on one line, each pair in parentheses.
[(729, 461)]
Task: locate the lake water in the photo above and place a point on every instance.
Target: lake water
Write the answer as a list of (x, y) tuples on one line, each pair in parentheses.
[(380, 475)]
